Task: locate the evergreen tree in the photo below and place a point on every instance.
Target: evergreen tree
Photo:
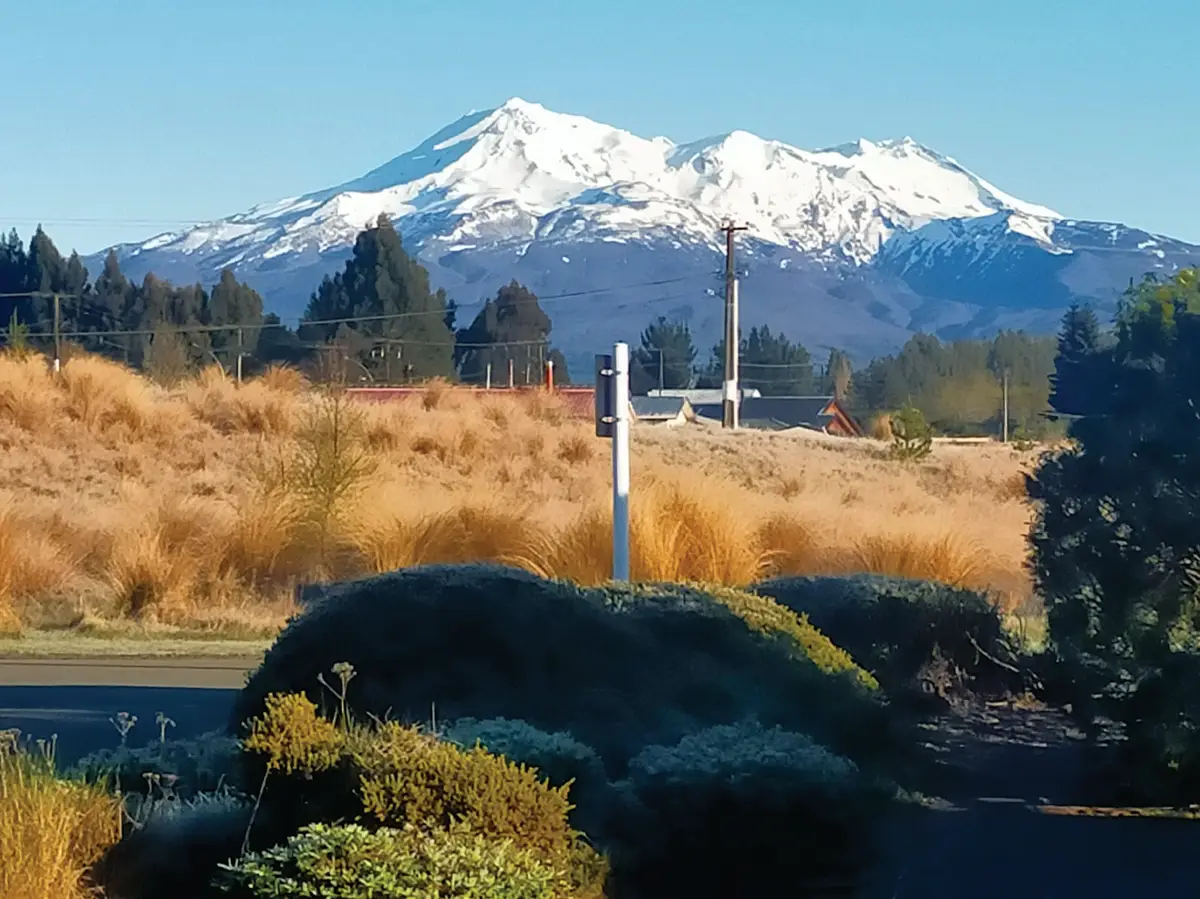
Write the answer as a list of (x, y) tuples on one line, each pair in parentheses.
[(1116, 541), (514, 328), (1076, 386), (278, 345), (775, 365), (14, 278), (47, 274), (837, 377), (235, 304), (383, 282), (112, 296), (768, 362), (666, 349)]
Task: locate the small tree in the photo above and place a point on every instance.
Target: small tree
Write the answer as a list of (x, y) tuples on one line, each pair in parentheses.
[(167, 360), (912, 438), (16, 336)]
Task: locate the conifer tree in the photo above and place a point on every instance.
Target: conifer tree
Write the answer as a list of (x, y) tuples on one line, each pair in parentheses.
[(666, 349), (384, 283), (1078, 365), (511, 327)]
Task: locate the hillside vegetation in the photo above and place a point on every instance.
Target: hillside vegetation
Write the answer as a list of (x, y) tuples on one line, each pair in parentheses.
[(200, 507)]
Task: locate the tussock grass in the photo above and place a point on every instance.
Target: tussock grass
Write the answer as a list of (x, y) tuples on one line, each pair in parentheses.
[(51, 830), (204, 505)]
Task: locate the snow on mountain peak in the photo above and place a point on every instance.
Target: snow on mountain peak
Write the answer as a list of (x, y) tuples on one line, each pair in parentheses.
[(521, 173)]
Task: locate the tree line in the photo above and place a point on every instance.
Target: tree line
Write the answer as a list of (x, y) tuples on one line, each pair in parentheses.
[(380, 320)]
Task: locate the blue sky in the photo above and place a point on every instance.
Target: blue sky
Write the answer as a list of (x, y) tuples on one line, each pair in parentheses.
[(122, 118)]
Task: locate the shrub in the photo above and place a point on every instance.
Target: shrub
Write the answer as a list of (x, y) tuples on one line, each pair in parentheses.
[(350, 862), (559, 758), (291, 737), (189, 767), (51, 829), (176, 848), (388, 775), (912, 438), (900, 628), (619, 667), (409, 777), (769, 617), (760, 807)]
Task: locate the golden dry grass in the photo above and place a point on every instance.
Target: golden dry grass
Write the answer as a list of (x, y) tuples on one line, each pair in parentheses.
[(51, 830), (200, 507)]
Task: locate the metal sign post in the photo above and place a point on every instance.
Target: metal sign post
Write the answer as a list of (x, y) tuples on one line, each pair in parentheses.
[(612, 421)]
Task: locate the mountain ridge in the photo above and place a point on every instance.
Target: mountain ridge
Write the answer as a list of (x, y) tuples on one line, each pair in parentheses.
[(862, 243)]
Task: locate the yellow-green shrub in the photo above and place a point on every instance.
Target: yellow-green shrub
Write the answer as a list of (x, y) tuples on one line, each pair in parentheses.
[(353, 862), (406, 776), (291, 737)]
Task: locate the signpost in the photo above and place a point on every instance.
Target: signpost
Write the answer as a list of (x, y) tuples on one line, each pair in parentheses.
[(612, 421)]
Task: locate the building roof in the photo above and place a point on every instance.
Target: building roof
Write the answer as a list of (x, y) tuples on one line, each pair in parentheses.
[(790, 411), (698, 395), (660, 407), (776, 413)]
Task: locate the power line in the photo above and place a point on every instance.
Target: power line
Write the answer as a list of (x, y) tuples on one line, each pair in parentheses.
[(266, 326)]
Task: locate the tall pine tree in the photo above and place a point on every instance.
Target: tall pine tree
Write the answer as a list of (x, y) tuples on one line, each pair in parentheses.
[(511, 328), (408, 335), (241, 308), (1076, 385)]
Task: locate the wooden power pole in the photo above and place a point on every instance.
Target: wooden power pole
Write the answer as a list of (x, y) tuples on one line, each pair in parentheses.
[(57, 333), (729, 396)]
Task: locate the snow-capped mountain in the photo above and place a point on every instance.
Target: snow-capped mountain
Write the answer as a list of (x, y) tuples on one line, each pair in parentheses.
[(854, 246)]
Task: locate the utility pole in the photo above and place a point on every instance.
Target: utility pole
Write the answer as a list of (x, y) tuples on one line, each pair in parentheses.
[(57, 333), (729, 404), (620, 461), (660, 371), (241, 345), (1006, 405)]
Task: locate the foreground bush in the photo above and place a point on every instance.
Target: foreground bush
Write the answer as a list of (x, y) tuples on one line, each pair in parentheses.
[(904, 631), (390, 776), (619, 668), (351, 862), (739, 811), (51, 829), (174, 846)]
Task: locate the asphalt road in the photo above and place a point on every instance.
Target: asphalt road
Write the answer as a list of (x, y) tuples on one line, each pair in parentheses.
[(75, 700)]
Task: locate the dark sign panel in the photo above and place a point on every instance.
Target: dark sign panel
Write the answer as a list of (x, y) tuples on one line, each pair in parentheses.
[(605, 405)]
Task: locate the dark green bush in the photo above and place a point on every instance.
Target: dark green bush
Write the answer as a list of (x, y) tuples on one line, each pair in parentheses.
[(618, 668), (1160, 758), (175, 847), (900, 629), (351, 862), (740, 811)]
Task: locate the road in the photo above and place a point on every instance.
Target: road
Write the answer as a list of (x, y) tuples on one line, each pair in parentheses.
[(75, 699)]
